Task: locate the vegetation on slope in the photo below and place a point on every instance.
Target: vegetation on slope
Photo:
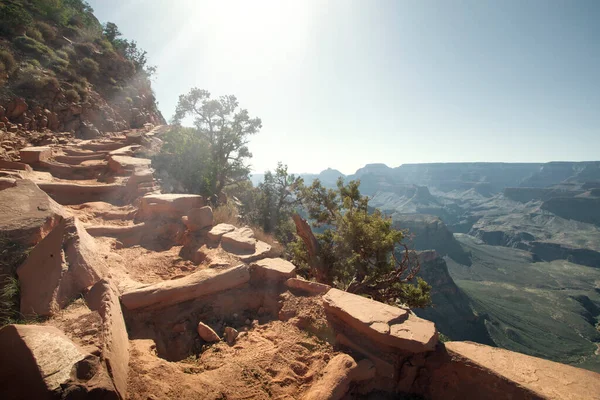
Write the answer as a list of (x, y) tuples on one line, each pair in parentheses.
[(55, 52)]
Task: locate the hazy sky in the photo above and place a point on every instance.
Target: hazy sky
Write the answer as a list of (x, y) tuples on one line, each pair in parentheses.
[(345, 83)]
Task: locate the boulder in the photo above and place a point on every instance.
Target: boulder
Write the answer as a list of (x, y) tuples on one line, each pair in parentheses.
[(16, 108), (121, 164), (261, 251), (27, 214), (389, 325), (169, 205), (273, 269), (59, 267), (238, 241), (307, 286), (104, 298), (335, 380), (198, 284), (198, 218), (36, 361), (215, 234), (464, 369), (207, 333), (34, 155)]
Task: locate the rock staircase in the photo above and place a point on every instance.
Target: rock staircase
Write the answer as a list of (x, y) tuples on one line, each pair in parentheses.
[(128, 291)]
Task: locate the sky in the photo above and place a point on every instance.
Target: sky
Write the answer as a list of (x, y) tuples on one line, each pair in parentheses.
[(345, 83)]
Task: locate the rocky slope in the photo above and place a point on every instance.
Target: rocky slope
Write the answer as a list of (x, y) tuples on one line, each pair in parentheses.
[(143, 295), (60, 73)]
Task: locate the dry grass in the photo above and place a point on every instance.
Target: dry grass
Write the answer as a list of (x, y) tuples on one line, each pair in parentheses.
[(226, 214)]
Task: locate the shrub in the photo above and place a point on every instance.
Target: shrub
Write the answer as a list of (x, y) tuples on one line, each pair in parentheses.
[(47, 31), (32, 79), (62, 54), (32, 46), (33, 33), (89, 67), (8, 60), (13, 19), (226, 214), (34, 63), (87, 49), (72, 96), (12, 255)]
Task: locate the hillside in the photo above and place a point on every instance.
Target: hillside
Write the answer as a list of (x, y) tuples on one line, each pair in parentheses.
[(60, 71)]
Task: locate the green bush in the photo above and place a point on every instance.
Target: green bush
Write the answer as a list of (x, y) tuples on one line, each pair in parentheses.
[(8, 61), (32, 46), (33, 33), (47, 31), (72, 96), (89, 67), (33, 62), (32, 79), (14, 19), (62, 54)]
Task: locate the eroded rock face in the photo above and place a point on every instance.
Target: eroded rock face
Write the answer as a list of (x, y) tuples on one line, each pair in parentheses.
[(36, 361), (472, 370), (27, 214), (58, 268), (386, 324), (104, 298)]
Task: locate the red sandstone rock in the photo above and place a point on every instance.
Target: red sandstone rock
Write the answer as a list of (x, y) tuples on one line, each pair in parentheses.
[(121, 164), (219, 230), (60, 267), (231, 335), (169, 205), (198, 218), (383, 323), (198, 284), (238, 241), (27, 214), (33, 155), (472, 370), (104, 298), (36, 361), (307, 286), (335, 380), (273, 269), (207, 333)]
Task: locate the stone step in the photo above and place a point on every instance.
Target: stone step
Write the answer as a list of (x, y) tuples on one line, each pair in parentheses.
[(74, 193), (201, 283), (76, 160)]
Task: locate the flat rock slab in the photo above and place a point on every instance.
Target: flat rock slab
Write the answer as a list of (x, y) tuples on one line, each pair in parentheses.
[(307, 286), (545, 378), (262, 250), (198, 284), (238, 242), (273, 269), (219, 230), (36, 360), (32, 155), (126, 163), (169, 205), (383, 323), (125, 151), (198, 218), (27, 214), (67, 193)]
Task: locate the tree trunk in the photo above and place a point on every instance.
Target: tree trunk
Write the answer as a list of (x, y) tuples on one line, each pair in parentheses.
[(312, 245)]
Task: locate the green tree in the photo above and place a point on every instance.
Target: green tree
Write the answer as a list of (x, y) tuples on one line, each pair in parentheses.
[(111, 31), (357, 250), (270, 205), (226, 128), (185, 157)]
